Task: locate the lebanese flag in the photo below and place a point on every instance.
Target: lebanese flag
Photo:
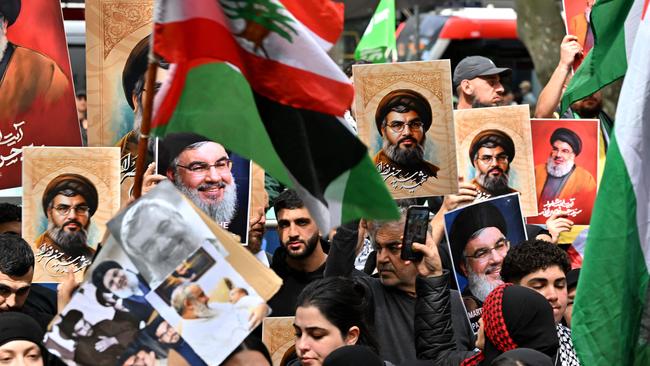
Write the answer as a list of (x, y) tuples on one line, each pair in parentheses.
[(254, 77)]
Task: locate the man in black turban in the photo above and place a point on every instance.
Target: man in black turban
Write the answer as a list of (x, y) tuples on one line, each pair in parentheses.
[(560, 178), (69, 201), (478, 246), (31, 81), (491, 153), (403, 117)]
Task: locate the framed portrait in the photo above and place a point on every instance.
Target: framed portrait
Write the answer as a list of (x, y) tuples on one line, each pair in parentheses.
[(404, 116), (69, 193), (495, 152)]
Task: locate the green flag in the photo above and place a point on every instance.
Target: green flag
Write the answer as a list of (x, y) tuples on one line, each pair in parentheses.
[(607, 60), (377, 44)]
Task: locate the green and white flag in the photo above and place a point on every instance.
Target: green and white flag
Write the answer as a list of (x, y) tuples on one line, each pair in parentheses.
[(614, 24), (611, 315), (377, 44)]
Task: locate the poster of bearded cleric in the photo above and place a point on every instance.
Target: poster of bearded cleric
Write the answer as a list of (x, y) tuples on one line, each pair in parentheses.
[(495, 152), (479, 237), (35, 83), (566, 168), (108, 321), (116, 59), (404, 115), (69, 193)]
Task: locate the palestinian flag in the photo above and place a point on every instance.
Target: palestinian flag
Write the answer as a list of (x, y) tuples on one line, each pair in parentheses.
[(614, 24), (611, 315), (255, 77)]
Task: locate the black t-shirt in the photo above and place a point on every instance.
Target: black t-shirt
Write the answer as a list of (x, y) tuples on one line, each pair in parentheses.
[(40, 304)]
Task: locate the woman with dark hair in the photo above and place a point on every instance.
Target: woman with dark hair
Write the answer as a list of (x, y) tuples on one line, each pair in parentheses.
[(331, 314), (251, 352), (21, 342)]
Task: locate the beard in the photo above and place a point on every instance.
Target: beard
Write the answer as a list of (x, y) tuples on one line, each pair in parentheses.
[(558, 170), (3, 44), (131, 286), (220, 211), (202, 310), (407, 157), (72, 244), (480, 285), (310, 246), (494, 185)]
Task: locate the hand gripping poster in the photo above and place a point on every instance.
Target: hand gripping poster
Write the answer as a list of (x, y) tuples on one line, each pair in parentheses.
[(37, 103)]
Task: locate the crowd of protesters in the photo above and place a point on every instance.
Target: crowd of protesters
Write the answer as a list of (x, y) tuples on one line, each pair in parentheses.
[(354, 299)]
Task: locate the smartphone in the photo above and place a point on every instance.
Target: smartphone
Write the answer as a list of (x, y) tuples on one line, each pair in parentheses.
[(415, 231)]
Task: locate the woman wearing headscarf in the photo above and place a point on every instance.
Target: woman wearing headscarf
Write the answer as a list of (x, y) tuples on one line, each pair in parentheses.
[(21, 341)]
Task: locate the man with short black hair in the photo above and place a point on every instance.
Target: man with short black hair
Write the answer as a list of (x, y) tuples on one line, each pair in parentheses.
[(17, 293), (10, 219), (301, 258), (543, 267), (478, 82)]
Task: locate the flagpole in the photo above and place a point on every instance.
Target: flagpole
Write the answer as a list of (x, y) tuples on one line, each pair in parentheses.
[(143, 142)]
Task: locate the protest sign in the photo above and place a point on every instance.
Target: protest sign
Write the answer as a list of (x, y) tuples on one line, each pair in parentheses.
[(566, 166), (36, 85), (69, 193), (479, 237), (495, 152), (413, 150)]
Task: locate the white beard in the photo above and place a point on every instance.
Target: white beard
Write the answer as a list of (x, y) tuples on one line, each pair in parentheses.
[(202, 310), (222, 211), (3, 43), (558, 170), (132, 287), (480, 285)]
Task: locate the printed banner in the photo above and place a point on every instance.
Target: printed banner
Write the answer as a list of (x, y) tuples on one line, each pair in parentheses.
[(36, 88)]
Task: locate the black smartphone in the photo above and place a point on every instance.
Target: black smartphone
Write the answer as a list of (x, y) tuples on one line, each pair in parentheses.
[(415, 231)]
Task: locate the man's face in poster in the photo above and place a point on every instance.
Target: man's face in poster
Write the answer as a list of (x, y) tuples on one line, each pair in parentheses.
[(68, 221), (404, 136), (121, 283), (561, 160), (492, 167), (203, 174), (3, 35), (483, 257)]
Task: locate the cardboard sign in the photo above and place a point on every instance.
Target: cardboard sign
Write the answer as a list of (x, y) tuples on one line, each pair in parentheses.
[(36, 88), (69, 193), (413, 150), (506, 166), (479, 237), (566, 167)]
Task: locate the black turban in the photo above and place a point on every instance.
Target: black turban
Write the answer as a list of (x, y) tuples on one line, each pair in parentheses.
[(496, 137), (134, 68), (173, 145), (100, 271), (10, 10), (471, 220), (568, 136), (408, 98), (78, 183)]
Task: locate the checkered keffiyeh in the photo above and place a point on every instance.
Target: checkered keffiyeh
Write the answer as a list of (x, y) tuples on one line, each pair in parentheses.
[(494, 325), (567, 353)]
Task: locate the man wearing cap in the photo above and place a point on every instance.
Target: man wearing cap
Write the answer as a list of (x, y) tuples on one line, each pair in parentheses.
[(69, 201), (403, 117), (560, 178), (29, 80), (491, 153), (478, 246), (478, 82), (133, 79)]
